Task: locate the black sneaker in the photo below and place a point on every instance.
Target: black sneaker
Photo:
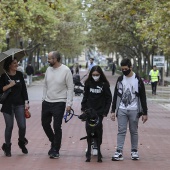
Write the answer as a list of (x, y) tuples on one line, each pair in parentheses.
[(7, 149), (54, 154), (21, 144), (50, 151)]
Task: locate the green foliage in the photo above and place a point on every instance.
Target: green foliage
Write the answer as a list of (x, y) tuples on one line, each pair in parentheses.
[(57, 23), (144, 75), (40, 77), (134, 28), (43, 69)]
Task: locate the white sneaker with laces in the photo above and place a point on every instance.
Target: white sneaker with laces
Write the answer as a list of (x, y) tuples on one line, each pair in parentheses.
[(94, 151), (117, 156), (134, 155)]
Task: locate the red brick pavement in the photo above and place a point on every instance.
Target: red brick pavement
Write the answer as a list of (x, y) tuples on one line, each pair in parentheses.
[(154, 145)]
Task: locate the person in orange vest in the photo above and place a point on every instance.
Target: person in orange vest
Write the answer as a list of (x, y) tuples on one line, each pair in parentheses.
[(154, 78)]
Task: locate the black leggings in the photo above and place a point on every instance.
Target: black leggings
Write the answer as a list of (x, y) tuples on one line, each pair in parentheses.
[(154, 85), (18, 111)]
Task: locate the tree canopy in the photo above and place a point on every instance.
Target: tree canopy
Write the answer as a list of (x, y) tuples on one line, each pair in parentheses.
[(134, 28), (57, 23), (130, 27)]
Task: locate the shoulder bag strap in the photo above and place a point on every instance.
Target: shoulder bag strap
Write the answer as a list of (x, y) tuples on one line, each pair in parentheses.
[(7, 74)]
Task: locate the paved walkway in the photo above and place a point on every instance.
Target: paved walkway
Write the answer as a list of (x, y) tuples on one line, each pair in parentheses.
[(154, 137)]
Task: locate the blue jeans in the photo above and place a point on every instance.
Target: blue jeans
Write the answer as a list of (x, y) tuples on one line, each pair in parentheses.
[(18, 111), (55, 111)]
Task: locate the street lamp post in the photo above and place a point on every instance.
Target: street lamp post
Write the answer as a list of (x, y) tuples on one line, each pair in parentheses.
[(7, 39), (29, 42), (44, 53), (21, 43), (44, 50), (29, 52)]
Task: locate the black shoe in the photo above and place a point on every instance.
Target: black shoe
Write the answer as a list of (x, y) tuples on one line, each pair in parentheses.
[(7, 149), (22, 145), (50, 151), (54, 154)]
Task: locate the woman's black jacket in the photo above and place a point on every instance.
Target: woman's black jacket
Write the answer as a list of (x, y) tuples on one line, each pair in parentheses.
[(97, 95), (18, 93)]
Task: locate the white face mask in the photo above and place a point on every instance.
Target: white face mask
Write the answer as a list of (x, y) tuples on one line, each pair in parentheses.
[(96, 78)]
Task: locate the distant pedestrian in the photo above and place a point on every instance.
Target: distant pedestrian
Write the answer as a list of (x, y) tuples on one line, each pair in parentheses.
[(154, 78), (29, 71), (91, 64), (129, 103), (71, 69), (77, 68), (86, 64), (57, 96), (113, 68)]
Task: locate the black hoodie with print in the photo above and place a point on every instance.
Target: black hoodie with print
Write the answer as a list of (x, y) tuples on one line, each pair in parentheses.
[(97, 95)]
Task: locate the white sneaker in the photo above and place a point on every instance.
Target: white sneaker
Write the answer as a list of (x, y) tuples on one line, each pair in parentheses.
[(117, 156), (85, 150), (94, 151), (134, 155)]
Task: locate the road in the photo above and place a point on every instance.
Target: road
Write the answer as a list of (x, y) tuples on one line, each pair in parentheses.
[(154, 137)]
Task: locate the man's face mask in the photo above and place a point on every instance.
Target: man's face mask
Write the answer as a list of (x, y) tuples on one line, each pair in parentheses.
[(126, 72), (96, 77)]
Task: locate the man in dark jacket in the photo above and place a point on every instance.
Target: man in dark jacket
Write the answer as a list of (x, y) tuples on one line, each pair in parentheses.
[(29, 72), (129, 103), (113, 68)]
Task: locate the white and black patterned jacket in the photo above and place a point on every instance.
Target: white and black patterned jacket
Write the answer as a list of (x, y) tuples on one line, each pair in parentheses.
[(118, 92)]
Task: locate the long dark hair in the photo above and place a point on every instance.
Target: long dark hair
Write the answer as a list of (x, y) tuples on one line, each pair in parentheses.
[(8, 62), (100, 71)]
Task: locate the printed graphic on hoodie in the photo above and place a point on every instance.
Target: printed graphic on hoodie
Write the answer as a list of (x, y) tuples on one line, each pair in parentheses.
[(129, 99), (94, 90)]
